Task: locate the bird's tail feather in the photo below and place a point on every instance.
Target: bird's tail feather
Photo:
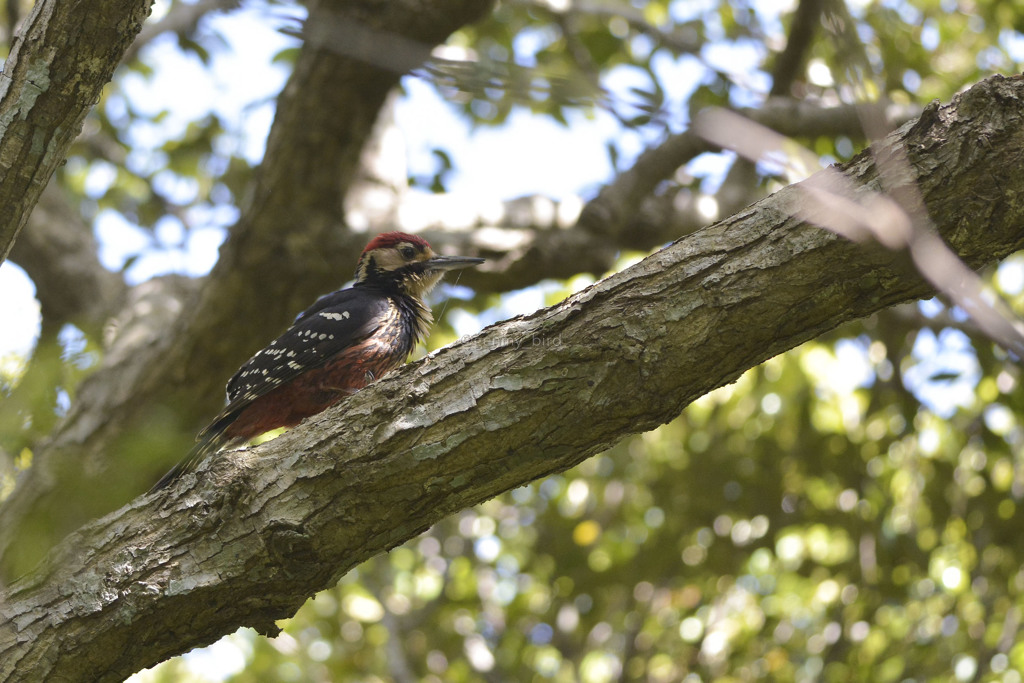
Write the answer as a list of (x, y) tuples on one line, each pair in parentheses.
[(211, 442)]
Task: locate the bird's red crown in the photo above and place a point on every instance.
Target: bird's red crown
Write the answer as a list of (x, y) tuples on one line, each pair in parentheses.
[(390, 239)]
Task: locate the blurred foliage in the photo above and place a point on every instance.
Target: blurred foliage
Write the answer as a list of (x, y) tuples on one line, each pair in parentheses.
[(36, 395), (846, 511)]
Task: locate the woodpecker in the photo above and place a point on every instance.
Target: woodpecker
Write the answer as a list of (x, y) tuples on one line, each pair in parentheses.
[(337, 346)]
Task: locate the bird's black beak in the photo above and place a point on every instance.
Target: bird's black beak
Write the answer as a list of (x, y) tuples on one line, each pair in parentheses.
[(445, 263)]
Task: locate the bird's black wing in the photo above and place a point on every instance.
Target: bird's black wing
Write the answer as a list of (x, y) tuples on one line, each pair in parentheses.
[(331, 325), (335, 322), (326, 301)]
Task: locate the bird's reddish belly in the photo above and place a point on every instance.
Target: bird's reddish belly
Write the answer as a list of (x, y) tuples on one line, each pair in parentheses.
[(314, 391)]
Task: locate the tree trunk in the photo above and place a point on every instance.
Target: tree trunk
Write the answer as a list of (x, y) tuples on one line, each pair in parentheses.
[(65, 54)]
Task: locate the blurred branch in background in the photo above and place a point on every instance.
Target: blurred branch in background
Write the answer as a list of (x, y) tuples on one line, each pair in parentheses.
[(895, 217)]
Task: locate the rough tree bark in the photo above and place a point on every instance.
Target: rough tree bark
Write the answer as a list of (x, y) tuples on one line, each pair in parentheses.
[(65, 53), (255, 533)]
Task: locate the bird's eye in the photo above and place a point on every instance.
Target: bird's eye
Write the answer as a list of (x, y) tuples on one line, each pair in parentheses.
[(407, 253)]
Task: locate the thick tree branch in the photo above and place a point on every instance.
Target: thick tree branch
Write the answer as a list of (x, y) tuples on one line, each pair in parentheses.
[(65, 54), (249, 537)]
